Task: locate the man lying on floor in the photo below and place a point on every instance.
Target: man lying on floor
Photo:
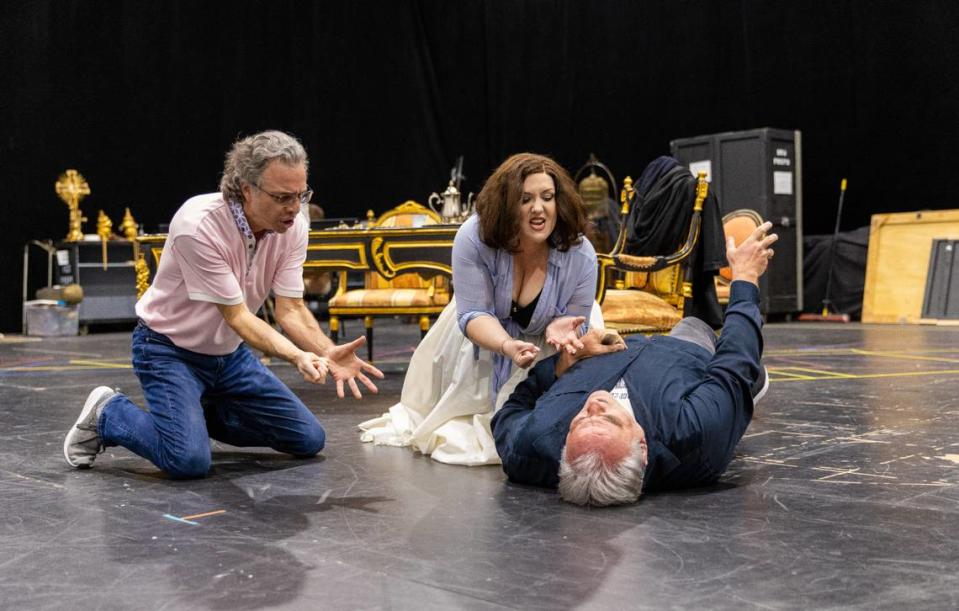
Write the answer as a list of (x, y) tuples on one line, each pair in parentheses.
[(645, 414)]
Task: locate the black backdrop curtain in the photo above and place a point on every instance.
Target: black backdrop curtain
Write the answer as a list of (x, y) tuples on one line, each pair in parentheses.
[(143, 98)]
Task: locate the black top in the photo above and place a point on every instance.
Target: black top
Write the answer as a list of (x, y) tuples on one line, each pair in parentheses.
[(522, 315)]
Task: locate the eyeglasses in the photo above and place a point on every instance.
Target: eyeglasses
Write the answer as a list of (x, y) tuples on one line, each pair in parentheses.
[(285, 199)]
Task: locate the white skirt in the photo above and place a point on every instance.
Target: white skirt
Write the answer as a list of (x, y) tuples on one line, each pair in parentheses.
[(445, 408)]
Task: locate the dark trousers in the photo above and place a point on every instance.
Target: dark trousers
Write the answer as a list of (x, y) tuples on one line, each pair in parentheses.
[(191, 397)]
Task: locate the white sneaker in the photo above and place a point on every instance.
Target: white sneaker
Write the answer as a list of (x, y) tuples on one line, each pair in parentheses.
[(82, 443), (764, 379)]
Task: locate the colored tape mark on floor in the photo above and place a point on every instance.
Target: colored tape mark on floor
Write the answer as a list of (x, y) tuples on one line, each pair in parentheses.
[(869, 376), (847, 351), (70, 365), (190, 519), (817, 373), (103, 364), (902, 355), (775, 373), (203, 515), (776, 463)]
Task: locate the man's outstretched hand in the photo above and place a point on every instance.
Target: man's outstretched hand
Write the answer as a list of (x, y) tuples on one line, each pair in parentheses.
[(595, 342), (749, 260), (347, 368), (601, 341)]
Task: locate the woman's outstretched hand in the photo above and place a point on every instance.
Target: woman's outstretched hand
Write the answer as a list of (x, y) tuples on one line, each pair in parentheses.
[(563, 334)]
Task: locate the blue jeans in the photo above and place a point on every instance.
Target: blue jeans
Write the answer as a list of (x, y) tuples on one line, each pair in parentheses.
[(192, 397)]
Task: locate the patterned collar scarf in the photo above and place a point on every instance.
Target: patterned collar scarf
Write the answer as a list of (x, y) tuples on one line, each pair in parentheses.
[(241, 223), (248, 238)]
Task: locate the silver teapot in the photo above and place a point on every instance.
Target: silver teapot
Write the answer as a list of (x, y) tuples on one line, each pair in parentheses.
[(448, 206)]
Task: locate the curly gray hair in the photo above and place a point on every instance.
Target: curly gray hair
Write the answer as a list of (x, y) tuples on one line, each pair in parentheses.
[(249, 156), (589, 480)]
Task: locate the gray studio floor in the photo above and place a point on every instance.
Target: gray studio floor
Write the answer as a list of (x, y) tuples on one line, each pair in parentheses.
[(843, 494)]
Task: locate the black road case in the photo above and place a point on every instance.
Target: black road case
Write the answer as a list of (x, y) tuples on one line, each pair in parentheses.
[(759, 169)]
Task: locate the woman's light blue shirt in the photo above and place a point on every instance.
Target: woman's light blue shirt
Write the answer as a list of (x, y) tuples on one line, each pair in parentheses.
[(483, 285)]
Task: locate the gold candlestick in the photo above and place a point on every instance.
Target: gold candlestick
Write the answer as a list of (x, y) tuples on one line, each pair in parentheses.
[(104, 227), (72, 187), (129, 228)]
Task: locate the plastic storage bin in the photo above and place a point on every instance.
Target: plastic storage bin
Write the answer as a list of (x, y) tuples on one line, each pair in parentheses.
[(48, 319)]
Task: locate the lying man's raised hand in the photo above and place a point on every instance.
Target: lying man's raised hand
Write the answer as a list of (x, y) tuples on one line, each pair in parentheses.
[(749, 260)]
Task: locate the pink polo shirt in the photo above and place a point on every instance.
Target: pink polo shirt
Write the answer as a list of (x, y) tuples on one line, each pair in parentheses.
[(211, 258)]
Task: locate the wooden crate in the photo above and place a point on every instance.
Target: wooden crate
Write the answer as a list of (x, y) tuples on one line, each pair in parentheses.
[(899, 248)]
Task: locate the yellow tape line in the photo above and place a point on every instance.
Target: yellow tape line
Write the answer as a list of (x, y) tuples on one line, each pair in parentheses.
[(818, 372), (875, 375), (901, 355)]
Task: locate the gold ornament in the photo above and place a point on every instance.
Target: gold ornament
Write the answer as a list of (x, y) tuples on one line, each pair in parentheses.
[(72, 187), (129, 228), (104, 230), (626, 195), (143, 275), (593, 189)]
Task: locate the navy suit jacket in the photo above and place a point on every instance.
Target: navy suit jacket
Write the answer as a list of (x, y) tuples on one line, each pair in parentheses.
[(693, 406)]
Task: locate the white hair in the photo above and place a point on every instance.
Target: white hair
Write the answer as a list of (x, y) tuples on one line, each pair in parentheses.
[(249, 157), (589, 480)]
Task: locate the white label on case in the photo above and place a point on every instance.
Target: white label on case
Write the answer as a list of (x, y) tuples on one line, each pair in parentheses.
[(782, 183), (705, 165)]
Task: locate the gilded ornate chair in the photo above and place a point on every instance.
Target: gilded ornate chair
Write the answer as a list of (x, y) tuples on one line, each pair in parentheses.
[(738, 224), (646, 294), (408, 294), (147, 251)]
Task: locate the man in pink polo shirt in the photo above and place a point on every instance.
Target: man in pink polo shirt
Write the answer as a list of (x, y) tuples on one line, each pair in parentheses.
[(191, 349)]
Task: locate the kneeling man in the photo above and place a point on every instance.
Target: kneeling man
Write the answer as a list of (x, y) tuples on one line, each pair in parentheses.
[(225, 253), (645, 414)]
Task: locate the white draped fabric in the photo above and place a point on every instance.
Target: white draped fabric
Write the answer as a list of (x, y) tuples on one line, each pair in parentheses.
[(445, 407)]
